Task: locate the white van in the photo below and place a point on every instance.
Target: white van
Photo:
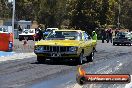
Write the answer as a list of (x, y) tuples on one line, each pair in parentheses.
[(27, 34)]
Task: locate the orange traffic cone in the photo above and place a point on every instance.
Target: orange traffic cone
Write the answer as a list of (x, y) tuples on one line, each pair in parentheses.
[(81, 71)]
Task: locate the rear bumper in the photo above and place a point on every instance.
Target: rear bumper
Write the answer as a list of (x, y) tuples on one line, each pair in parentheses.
[(29, 37), (122, 42)]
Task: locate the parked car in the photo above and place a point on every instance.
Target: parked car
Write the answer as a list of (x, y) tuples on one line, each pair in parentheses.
[(48, 30), (27, 34), (122, 38), (65, 44)]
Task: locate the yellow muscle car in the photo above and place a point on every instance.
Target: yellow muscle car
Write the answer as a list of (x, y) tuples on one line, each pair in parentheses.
[(65, 44)]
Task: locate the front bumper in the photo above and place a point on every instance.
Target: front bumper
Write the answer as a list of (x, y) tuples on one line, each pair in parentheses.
[(57, 54)]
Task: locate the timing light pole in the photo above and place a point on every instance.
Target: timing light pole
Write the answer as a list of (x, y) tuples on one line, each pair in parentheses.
[(13, 17), (119, 12)]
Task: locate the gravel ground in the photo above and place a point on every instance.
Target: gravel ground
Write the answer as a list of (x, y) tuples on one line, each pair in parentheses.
[(20, 48), (26, 72)]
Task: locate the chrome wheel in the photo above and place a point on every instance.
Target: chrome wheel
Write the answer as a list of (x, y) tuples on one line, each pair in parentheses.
[(79, 60), (90, 57)]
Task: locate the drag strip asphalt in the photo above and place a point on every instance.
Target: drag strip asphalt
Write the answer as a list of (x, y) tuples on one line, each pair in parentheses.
[(27, 73)]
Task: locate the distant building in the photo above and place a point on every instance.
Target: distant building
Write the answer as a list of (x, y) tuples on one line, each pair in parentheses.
[(22, 23)]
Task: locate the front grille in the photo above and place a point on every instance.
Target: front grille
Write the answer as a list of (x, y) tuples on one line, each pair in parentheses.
[(56, 48)]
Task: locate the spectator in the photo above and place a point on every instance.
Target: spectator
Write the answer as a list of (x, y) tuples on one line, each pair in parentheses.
[(116, 31), (40, 33), (19, 29), (103, 35), (94, 37), (109, 35)]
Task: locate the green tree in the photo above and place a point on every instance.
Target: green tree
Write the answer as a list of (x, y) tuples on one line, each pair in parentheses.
[(5, 9), (85, 14)]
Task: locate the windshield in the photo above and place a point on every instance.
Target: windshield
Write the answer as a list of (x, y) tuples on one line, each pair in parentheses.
[(0, 29), (48, 30), (4, 29), (25, 31), (64, 35), (128, 35), (121, 34), (31, 31)]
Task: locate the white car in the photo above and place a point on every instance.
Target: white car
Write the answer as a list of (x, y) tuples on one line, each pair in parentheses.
[(27, 34)]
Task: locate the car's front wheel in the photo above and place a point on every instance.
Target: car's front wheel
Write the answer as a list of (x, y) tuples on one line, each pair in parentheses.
[(41, 59), (90, 57), (20, 39), (129, 44), (80, 59), (113, 44)]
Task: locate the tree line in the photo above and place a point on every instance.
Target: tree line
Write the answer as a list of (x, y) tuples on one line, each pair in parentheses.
[(78, 14)]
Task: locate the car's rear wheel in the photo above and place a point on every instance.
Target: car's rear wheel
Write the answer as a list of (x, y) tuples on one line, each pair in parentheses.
[(20, 39), (113, 44), (41, 59), (80, 59), (90, 57), (129, 44), (118, 44)]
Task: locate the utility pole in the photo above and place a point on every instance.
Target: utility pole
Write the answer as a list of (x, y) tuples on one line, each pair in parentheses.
[(119, 12), (13, 17)]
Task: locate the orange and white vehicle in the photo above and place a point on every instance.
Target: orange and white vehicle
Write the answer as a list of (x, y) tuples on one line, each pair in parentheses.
[(6, 39)]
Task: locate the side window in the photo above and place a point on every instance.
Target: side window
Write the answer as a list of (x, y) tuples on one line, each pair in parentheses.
[(86, 36)]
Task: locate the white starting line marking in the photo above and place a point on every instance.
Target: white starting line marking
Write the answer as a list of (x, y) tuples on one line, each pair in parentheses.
[(77, 86), (17, 56)]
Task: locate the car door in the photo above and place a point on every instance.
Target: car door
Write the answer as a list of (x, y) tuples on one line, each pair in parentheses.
[(87, 44)]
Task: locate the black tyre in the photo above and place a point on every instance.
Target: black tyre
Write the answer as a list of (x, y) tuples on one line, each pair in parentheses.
[(113, 44), (41, 59), (79, 60), (129, 44), (90, 57), (118, 44), (36, 39), (20, 39)]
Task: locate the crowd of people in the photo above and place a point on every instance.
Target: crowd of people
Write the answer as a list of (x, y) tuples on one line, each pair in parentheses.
[(107, 35)]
